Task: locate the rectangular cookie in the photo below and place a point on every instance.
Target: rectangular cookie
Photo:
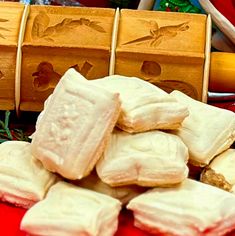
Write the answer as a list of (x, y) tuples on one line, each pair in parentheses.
[(149, 159), (23, 180), (77, 121), (68, 210), (192, 208), (207, 131), (144, 106), (123, 193)]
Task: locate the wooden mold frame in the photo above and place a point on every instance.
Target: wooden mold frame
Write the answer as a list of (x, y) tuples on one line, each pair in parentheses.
[(207, 59), (115, 32), (10, 17), (19, 58), (207, 51), (167, 50), (58, 38)]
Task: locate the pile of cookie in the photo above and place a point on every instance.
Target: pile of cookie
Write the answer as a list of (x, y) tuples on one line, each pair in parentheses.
[(116, 142)]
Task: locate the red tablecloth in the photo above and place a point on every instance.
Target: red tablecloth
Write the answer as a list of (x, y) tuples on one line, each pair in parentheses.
[(10, 218)]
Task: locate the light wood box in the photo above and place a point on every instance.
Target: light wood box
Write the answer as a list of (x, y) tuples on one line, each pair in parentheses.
[(167, 49), (57, 38), (10, 19)]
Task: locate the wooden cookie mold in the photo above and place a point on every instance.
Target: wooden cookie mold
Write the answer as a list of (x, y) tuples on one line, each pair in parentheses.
[(39, 43)]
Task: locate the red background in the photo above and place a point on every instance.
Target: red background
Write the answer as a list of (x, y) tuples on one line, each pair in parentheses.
[(227, 8)]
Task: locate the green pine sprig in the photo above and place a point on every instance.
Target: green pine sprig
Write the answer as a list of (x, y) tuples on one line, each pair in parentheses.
[(7, 135)]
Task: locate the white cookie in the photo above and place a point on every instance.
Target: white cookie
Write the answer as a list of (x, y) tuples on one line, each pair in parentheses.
[(207, 131), (152, 158), (68, 210), (123, 193), (23, 180), (144, 106), (191, 209), (76, 123)]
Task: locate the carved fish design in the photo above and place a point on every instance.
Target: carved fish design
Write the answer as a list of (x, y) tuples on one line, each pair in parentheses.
[(1, 75), (158, 34)]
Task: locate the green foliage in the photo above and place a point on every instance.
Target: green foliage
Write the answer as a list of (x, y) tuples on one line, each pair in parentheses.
[(7, 134)]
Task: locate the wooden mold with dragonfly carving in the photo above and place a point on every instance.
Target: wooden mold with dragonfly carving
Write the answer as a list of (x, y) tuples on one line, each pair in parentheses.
[(39, 43)]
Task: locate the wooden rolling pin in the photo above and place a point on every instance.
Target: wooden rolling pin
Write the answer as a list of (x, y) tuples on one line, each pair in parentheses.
[(222, 72)]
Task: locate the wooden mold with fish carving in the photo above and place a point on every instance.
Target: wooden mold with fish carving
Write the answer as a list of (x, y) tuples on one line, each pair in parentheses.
[(166, 49)]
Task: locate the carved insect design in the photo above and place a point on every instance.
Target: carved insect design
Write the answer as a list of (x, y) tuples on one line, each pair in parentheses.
[(47, 78), (2, 28), (158, 34), (41, 28)]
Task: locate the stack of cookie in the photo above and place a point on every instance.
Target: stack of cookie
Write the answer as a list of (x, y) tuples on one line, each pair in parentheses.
[(119, 136)]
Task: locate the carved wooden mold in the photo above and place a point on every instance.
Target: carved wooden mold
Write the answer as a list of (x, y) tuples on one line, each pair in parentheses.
[(58, 38), (166, 49), (10, 19)]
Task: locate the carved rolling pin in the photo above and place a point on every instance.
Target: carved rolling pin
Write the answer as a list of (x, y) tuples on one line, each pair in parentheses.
[(222, 72)]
